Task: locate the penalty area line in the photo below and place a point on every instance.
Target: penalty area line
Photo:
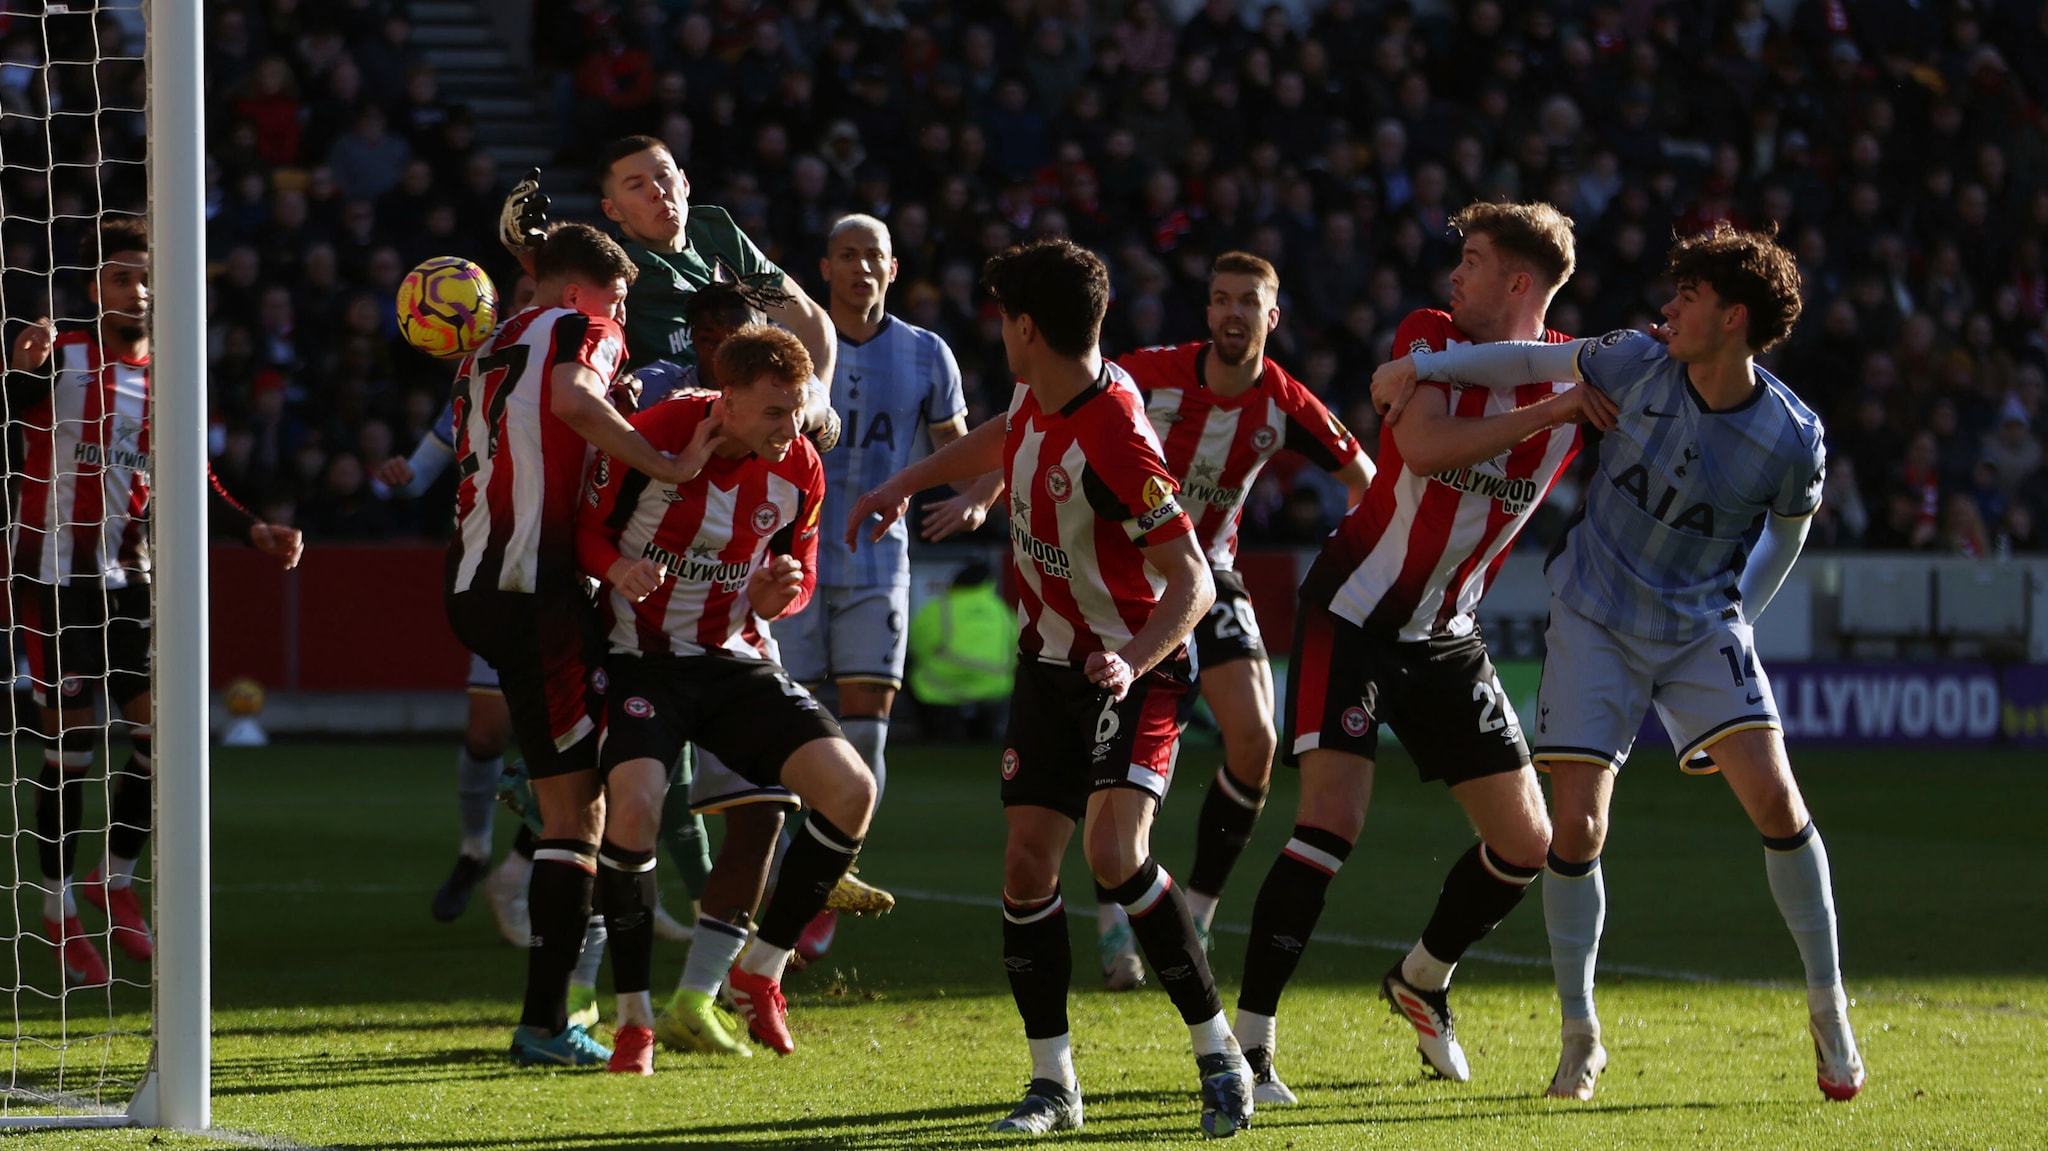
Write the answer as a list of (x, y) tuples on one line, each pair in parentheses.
[(1342, 940)]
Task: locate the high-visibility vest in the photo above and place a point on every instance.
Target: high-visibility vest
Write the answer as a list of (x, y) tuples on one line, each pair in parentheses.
[(963, 648)]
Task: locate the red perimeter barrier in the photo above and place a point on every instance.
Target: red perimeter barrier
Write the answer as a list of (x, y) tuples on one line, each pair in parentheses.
[(370, 618)]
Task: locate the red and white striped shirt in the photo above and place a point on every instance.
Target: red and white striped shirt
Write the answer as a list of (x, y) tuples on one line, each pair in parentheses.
[(1217, 445), (710, 533), (1414, 557), (1088, 489), (85, 483), (521, 466)]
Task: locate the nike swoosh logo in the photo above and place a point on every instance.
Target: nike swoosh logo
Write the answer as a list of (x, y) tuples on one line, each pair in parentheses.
[(1756, 698), (1657, 415)]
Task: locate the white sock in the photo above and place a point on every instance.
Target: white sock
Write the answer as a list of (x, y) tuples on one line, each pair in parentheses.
[(60, 904), (764, 959), (1590, 1025), (592, 956), (636, 1009), (1110, 916), (1827, 1001), (1202, 907), (1256, 1030), (1425, 972), (1212, 1035), (476, 847), (1054, 1059), (120, 872), (713, 950), (513, 872)]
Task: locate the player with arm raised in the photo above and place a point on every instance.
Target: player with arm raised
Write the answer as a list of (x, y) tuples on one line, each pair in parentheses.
[(80, 542), (1655, 590), (895, 379), (529, 405), (690, 564), (1387, 635), (1221, 409), (1110, 582)]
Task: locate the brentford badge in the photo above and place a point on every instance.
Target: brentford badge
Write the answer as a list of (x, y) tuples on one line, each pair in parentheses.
[(766, 517), (639, 708), (1009, 763), (1264, 439), (600, 681), (1355, 721), (1057, 485)]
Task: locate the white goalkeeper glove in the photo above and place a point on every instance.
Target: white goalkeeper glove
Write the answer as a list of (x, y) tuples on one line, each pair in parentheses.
[(523, 221)]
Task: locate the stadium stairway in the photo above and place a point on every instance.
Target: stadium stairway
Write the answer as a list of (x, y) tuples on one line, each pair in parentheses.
[(476, 68)]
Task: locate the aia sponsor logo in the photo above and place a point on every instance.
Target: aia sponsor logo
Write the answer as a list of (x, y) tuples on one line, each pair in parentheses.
[(1010, 763), (1057, 484)]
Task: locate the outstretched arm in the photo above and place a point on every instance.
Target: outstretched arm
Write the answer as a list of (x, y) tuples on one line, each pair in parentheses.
[(977, 453), (1770, 561), (1505, 364), (1432, 440)]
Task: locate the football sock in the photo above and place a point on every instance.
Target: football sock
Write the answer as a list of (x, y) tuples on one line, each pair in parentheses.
[(1202, 908), (1574, 907), (626, 890), (591, 957), (869, 735), (682, 830), (1040, 960), (1477, 894), (1256, 1030), (817, 857), (1221, 831), (1212, 1035), (129, 808), (1166, 934), (476, 799), (1800, 882), (60, 812), (1285, 915), (120, 872), (1053, 1059), (1108, 917), (558, 899), (713, 950)]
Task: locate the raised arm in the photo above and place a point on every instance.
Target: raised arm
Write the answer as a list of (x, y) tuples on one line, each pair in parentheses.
[(975, 454), (1505, 364)]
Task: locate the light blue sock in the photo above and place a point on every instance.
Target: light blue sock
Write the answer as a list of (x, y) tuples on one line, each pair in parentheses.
[(1800, 882), (587, 963), (1574, 908), (869, 735), (476, 799)]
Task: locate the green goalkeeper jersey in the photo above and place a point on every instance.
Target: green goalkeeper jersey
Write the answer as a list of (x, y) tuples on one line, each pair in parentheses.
[(654, 305)]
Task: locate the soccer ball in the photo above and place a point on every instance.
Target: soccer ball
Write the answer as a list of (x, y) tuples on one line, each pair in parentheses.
[(446, 307), (244, 698)]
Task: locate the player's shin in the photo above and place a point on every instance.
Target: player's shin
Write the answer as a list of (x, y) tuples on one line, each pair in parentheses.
[(1223, 828), (869, 735), (626, 890), (1166, 932), (1039, 958), (1574, 909), (1289, 904), (1479, 892), (476, 799), (818, 855), (559, 894), (60, 813), (129, 809), (682, 830), (1805, 893)]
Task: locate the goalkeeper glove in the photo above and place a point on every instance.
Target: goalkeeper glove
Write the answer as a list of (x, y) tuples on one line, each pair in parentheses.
[(523, 221)]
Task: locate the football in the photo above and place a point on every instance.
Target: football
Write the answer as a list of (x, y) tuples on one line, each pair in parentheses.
[(446, 307), (243, 697)]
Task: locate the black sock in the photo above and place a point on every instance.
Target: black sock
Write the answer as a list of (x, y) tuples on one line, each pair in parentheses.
[(60, 812), (1221, 831), (1166, 934), (1040, 959), (1478, 893), (558, 898), (818, 855), (523, 841), (1285, 915), (626, 890), (129, 810)]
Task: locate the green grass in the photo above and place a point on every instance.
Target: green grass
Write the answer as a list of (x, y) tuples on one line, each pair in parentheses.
[(346, 1018)]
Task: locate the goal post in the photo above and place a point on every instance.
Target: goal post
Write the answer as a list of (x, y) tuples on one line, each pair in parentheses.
[(178, 1091)]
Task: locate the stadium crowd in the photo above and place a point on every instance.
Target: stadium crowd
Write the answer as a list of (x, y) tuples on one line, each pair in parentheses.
[(1901, 147)]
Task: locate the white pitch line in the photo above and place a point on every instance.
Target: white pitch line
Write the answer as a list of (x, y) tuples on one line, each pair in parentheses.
[(1342, 940)]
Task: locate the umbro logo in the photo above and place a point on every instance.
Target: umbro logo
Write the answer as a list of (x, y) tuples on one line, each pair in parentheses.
[(1017, 962), (1181, 972), (1287, 943)]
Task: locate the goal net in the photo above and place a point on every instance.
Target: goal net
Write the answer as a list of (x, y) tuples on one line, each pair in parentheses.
[(80, 959)]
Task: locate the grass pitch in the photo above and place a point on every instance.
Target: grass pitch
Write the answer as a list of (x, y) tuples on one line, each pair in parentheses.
[(346, 1018)]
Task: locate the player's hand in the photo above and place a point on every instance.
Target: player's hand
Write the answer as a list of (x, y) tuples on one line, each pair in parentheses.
[(1591, 406), (285, 544), (704, 443), (774, 586), (32, 346), (1659, 333), (395, 472), (635, 579), (883, 506), (1393, 385), (950, 517), (1108, 671), (523, 221), (822, 424)]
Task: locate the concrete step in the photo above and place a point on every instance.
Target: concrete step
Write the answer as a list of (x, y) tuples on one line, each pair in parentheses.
[(488, 109), (455, 59), (452, 36), (428, 12)]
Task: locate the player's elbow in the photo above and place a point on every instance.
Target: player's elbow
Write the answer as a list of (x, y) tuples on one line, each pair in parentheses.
[(1201, 586)]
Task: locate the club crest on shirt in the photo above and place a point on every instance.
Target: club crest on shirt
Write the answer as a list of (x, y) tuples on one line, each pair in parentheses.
[(1009, 763), (1264, 439), (1355, 722), (766, 517), (1057, 485), (639, 708)]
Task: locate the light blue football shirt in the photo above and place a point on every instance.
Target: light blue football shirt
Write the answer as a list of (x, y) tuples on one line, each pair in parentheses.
[(1679, 490), (886, 389)]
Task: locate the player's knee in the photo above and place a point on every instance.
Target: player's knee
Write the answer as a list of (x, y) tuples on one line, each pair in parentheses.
[(1522, 847), (1577, 836), (829, 775), (1113, 856), (73, 750), (1029, 872), (1249, 753)]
